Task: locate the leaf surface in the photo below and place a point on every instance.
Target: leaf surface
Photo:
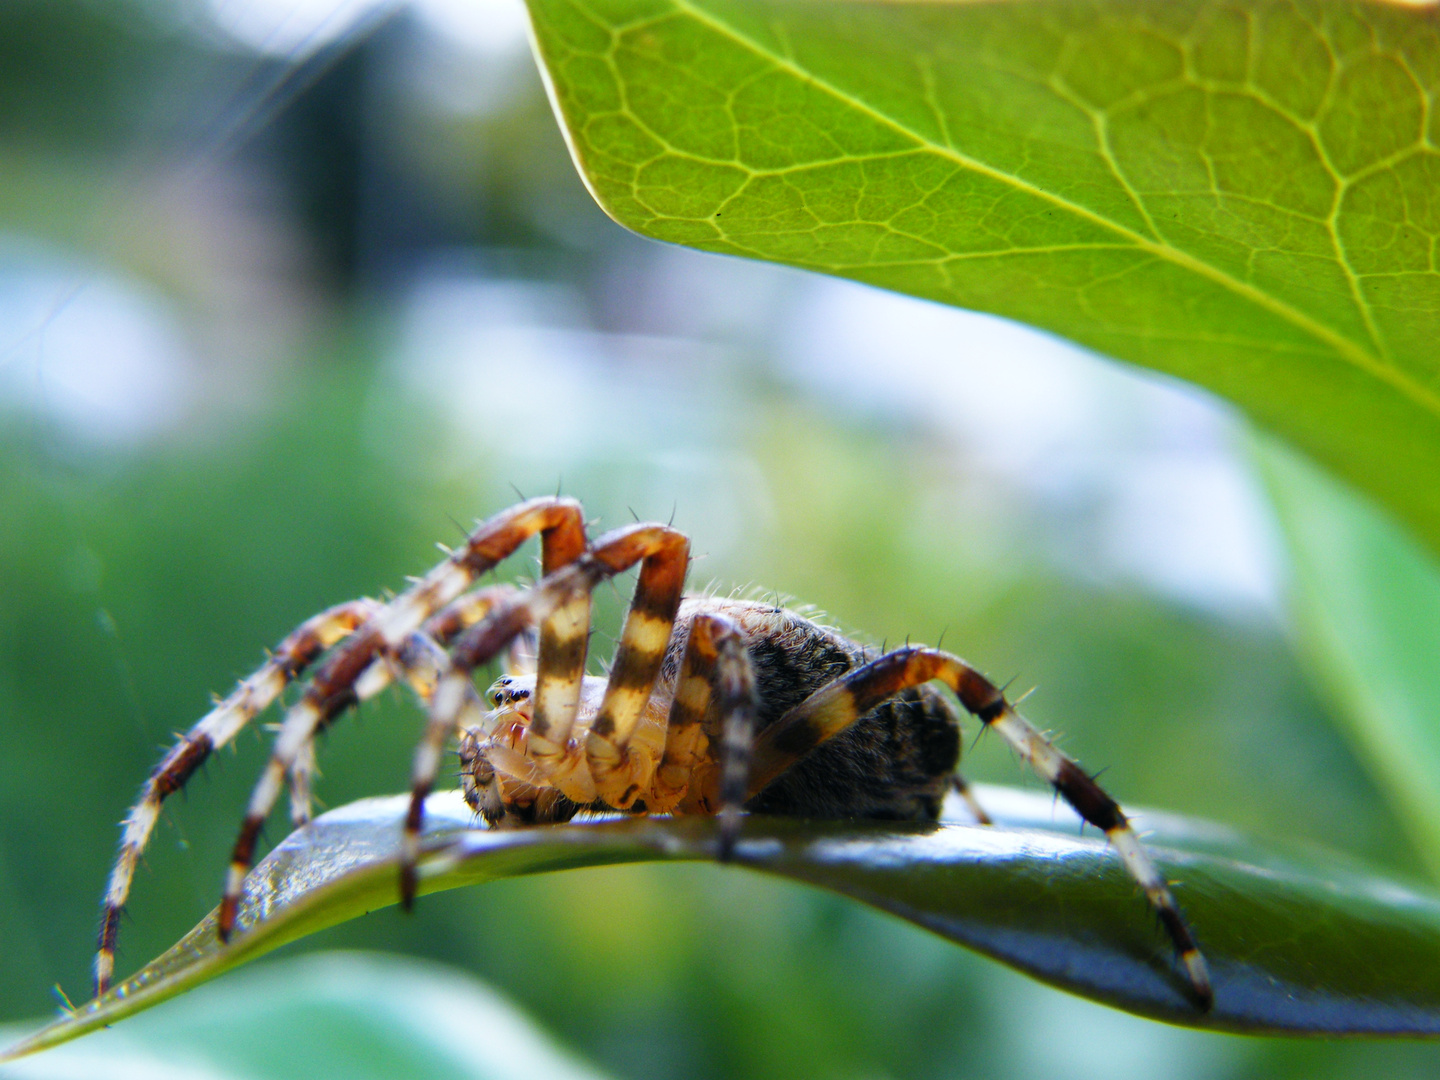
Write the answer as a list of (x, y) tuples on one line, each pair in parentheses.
[(1296, 943), (1241, 194), (1366, 600)]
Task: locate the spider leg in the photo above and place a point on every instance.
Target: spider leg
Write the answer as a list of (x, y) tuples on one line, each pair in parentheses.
[(836, 706), (664, 557), (451, 700), (302, 775), (247, 701), (458, 615), (426, 664), (561, 526), (972, 804), (689, 727), (471, 608), (559, 674), (731, 725)]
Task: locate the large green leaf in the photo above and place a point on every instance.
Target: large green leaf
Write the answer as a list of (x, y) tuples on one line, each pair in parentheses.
[(1367, 606), (1295, 943), (1237, 192)]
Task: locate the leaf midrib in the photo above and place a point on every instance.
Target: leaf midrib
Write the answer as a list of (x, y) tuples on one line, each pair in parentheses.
[(1344, 347)]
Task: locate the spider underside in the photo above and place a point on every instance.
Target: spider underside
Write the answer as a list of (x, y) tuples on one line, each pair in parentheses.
[(711, 704)]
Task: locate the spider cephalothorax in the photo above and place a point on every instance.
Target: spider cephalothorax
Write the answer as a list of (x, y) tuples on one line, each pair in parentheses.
[(710, 705)]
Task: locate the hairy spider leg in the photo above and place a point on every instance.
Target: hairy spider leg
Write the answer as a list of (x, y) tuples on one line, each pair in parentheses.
[(302, 778), (449, 703), (560, 604), (458, 615), (561, 525), (734, 681), (216, 728), (560, 673), (469, 609), (664, 557), (428, 665), (690, 728), (833, 708), (460, 709)]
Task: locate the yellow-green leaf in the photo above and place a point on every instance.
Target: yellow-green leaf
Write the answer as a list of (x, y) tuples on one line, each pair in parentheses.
[(1238, 192)]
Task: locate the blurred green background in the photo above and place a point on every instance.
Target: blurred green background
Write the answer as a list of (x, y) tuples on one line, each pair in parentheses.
[(292, 291)]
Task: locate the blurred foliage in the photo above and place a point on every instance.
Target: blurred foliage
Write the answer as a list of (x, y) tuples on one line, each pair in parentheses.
[(343, 1014), (82, 74), (139, 580), (149, 583)]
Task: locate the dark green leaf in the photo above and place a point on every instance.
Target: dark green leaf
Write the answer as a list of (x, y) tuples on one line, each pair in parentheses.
[(1295, 943), (1240, 194)]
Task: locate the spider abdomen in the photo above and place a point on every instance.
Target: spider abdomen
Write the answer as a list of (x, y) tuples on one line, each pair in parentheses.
[(895, 762)]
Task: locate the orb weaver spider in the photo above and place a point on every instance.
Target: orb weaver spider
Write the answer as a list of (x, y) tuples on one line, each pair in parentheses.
[(711, 705)]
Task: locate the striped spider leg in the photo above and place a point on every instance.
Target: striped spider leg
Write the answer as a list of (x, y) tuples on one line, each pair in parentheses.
[(568, 773), (216, 728), (714, 705), (363, 630), (416, 669), (372, 647), (835, 707)]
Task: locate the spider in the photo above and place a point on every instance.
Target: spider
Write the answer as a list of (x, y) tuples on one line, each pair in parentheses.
[(711, 705)]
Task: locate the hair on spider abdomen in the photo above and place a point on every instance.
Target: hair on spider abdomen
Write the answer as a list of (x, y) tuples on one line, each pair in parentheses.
[(893, 763)]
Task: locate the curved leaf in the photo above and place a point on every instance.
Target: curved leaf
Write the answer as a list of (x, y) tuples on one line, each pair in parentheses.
[(1366, 600), (1240, 194), (1295, 943)]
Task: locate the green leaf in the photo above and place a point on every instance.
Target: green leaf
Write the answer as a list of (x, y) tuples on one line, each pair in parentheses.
[(1295, 943), (357, 1015), (1367, 606), (1237, 193)]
